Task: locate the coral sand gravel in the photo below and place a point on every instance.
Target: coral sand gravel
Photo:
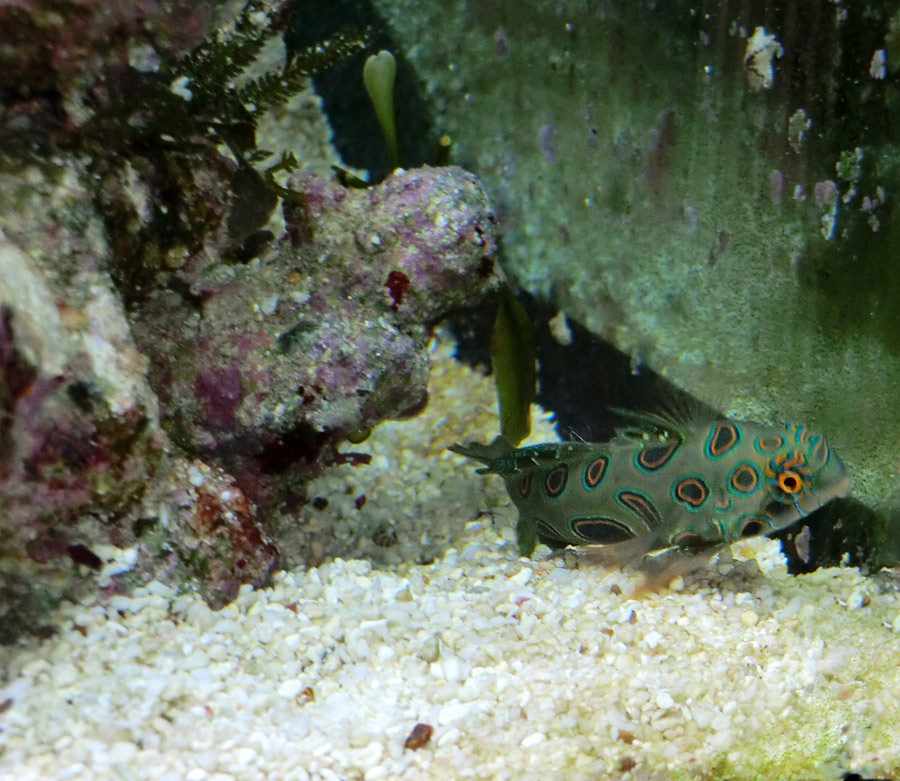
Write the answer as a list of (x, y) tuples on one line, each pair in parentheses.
[(524, 668)]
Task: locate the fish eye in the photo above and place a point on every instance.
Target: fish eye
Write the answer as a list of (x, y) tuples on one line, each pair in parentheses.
[(790, 482)]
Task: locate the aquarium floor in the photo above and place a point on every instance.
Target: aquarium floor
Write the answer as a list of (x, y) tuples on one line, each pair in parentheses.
[(522, 668)]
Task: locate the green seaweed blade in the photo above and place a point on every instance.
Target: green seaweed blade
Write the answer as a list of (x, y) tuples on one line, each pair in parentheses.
[(512, 357)]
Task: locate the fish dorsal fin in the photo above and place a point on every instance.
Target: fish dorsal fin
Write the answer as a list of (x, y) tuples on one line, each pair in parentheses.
[(671, 419), (640, 424)]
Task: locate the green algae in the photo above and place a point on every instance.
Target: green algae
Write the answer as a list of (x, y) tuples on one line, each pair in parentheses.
[(512, 359)]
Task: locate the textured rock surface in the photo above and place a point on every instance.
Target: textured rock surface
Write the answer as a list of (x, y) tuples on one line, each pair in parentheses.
[(81, 449), (263, 368), (324, 335), (125, 208), (55, 52), (79, 432)]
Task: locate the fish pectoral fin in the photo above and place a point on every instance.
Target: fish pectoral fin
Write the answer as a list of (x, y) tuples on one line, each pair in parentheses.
[(658, 568), (616, 555), (661, 569)]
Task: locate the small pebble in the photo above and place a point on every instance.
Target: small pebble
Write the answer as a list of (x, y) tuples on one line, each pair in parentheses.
[(450, 737), (534, 739), (664, 700), (419, 736), (245, 755), (749, 618)]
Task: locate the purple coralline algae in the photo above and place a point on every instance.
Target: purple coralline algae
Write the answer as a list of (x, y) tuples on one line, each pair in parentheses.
[(175, 365), (324, 334), (54, 52), (258, 372), (79, 432)]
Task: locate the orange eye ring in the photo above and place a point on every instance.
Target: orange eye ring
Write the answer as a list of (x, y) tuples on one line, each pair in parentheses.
[(790, 482)]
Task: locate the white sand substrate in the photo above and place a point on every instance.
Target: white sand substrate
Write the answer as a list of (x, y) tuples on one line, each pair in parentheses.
[(524, 669)]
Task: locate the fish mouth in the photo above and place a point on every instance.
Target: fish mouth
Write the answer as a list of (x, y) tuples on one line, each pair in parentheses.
[(836, 490)]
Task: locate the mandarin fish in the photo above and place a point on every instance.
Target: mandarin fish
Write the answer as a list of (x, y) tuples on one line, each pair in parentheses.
[(663, 496)]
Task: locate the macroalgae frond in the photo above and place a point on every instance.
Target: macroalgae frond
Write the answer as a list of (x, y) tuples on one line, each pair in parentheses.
[(379, 74), (512, 357)]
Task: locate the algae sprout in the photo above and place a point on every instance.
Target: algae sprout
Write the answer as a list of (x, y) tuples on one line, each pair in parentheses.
[(379, 74)]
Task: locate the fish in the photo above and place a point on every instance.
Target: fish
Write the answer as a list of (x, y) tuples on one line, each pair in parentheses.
[(666, 492)]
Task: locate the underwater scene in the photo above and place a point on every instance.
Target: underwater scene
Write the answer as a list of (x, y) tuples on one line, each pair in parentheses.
[(492, 389)]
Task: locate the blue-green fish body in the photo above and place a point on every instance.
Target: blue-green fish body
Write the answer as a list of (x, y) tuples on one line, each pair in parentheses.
[(665, 486)]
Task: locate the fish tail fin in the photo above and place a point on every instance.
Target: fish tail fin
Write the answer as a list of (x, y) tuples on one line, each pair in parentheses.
[(487, 454)]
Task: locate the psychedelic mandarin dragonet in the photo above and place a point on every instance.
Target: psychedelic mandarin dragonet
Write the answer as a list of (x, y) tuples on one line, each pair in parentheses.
[(662, 491)]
